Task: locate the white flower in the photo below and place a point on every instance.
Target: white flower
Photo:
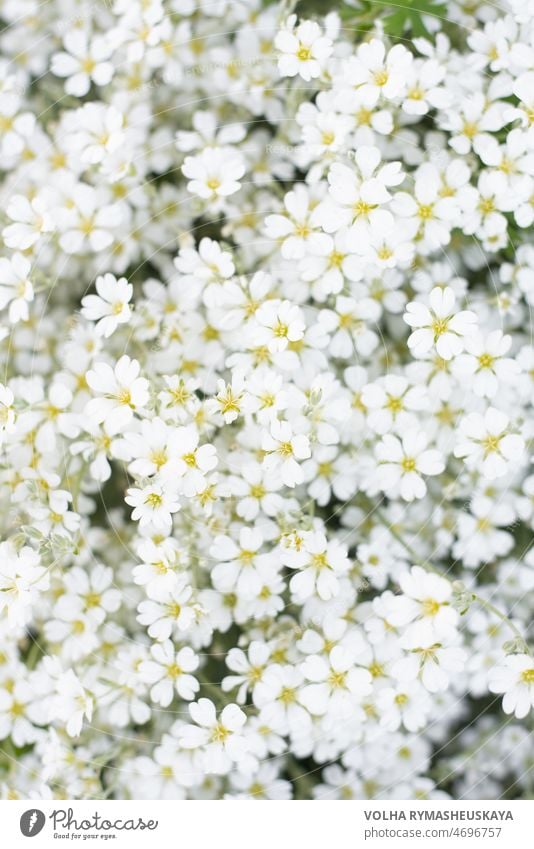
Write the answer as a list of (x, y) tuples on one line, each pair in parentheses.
[(7, 412), (87, 224), (426, 603), (173, 607), (356, 196), (402, 464), (338, 685), (432, 663), (349, 324), (230, 399), (98, 132), (249, 668), (320, 563), (72, 703), (120, 390), (389, 248), (31, 218), (17, 714), (83, 62), (16, 128), (329, 265), (392, 403), (423, 88), (484, 363), (110, 306), (15, 287), (304, 49), (514, 678), (150, 450), (483, 206), (299, 228), (236, 566), (283, 451), (486, 443), (474, 121), (438, 324), (278, 696), (214, 173), (194, 460), (169, 671), (408, 706), (209, 265), (22, 579), (431, 211), (220, 739), (376, 73), (256, 490), (153, 505), (280, 323)]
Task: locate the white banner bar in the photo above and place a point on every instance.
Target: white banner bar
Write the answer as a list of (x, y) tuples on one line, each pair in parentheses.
[(239, 825)]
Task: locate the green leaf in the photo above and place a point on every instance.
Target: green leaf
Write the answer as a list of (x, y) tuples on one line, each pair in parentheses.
[(408, 16)]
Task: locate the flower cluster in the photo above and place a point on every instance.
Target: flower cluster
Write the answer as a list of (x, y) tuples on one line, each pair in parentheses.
[(266, 401)]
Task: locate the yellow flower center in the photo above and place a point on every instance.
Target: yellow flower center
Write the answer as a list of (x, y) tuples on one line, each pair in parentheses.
[(491, 444), (384, 253), (124, 397), (362, 208), (364, 116), (159, 458), (173, 670), (394, 404), (486, 360), (381, 77), (425, 212), (470, 129), (287, 696), (88, 65), (486, 206), (219, 733), (439, 326), (154, 500), (337, 679), (303, 53), (320, 562), (416, 93), (280, 329), (408, 464), (285, 449), (336, 259), (93, 599), (430, 607)]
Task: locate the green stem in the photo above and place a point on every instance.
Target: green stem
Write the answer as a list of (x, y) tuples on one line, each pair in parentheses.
[(214, 692), (9, 750), (33, 655), (74, 484), (503, 617), (302, 782)]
